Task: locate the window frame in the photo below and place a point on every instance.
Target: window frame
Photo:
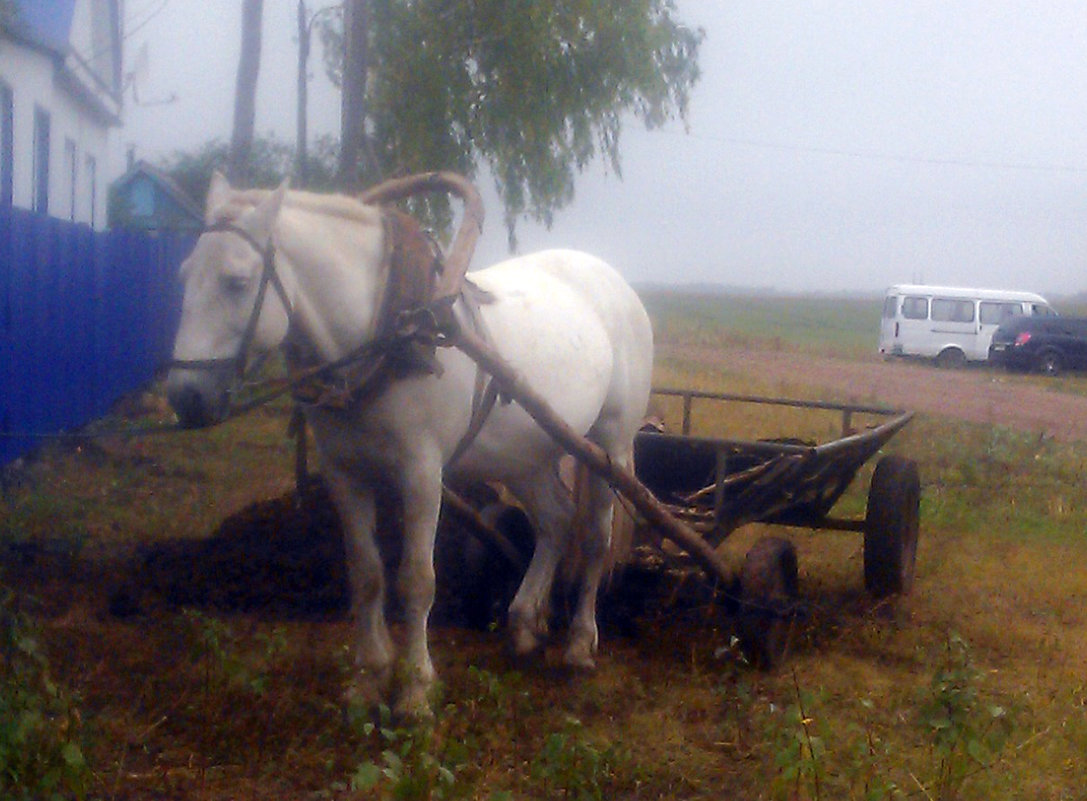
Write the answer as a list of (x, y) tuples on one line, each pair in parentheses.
[(43, 124), (955, 307), (909, 312), (7, 144)]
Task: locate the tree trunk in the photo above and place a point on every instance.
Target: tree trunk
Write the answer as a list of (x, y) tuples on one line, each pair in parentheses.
[(301, 147), (245, 96), (356, 22)]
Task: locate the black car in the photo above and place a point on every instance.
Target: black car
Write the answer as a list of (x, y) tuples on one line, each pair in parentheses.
[(1045, 344)]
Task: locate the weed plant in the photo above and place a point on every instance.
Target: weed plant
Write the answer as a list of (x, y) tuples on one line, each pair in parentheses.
[(970, 688), (41, 749)]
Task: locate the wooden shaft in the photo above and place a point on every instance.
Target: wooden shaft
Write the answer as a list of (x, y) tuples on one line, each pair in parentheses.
[(481, 528), (594, 457)]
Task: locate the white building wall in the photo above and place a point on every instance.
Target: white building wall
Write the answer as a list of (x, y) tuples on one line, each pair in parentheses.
[(31, 75)]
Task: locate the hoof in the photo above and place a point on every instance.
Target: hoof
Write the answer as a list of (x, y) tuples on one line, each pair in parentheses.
[(413, 708), (580, 650), (579, 660), (526, 645), (368, 689)]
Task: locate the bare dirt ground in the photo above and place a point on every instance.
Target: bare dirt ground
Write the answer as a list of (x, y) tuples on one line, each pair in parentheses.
[(979, 395), (177, 712)]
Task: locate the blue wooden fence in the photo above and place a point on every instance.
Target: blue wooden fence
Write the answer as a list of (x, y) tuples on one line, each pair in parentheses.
[(85, 317)]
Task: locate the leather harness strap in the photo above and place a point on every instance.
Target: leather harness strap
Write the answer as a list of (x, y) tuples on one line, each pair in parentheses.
[(410, 327), (415, 318)]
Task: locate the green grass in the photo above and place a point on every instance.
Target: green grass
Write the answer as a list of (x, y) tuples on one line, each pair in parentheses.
[(970, 688), (827, 325)]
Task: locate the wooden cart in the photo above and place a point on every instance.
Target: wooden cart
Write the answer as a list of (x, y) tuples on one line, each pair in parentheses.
[(715, 486)]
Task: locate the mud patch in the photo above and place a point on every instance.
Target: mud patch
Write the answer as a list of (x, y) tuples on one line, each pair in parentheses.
[(283, 558)]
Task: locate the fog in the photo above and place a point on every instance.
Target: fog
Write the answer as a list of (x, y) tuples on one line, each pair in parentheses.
[(830, 146)]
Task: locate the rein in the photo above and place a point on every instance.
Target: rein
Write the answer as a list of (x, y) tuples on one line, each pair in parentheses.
[(416, 316)]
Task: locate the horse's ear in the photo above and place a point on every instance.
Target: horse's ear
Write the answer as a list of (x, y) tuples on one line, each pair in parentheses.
[(217, 192), (263, 217)]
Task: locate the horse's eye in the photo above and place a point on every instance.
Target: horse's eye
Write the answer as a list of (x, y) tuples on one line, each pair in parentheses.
[(234, 285)]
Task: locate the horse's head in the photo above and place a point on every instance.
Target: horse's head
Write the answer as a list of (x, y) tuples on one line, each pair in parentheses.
[(227, 312)]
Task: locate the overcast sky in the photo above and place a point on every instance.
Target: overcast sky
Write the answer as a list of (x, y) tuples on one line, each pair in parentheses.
[(831, 146)]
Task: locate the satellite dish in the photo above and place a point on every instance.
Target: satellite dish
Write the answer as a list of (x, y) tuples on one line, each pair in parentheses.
[(140, 74), (142, 66)]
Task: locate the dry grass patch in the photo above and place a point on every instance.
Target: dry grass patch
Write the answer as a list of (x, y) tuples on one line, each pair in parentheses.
[(877, 701)]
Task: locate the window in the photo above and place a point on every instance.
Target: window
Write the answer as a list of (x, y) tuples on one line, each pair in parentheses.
[(994, 313), (92, 189), (947, 310), (142, 199), (890, 307), (915, 308), (41, 161), (70, 165), (7, 143)]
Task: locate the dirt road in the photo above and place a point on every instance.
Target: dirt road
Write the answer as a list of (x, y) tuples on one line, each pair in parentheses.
[(974, 394)]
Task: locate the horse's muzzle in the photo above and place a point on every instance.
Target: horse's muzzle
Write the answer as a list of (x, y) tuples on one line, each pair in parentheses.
[(198, 399)]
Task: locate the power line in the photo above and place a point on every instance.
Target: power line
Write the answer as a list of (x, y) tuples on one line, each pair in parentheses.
[(149, 14), (874, 155)]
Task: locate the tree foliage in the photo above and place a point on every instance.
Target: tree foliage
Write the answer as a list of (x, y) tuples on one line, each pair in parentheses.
[(269, 161), (533, 90)]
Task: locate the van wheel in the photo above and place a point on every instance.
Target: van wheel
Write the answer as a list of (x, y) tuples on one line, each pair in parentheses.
[(951, 359), (1050, 363)]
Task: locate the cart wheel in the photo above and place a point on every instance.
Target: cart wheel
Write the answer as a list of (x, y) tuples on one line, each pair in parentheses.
[(769, 585), (891, 527), (489, 580)]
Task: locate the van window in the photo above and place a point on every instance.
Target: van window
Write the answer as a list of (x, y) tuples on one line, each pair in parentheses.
[(1041, 310), (915, 308), (890, 306), (949, 310), (994, 313)]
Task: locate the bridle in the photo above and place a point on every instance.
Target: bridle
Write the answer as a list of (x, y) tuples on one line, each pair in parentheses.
[(268, 275), (404, 338), (408, 329)]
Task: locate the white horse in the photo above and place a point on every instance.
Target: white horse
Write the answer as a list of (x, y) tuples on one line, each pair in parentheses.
[(565, 320)]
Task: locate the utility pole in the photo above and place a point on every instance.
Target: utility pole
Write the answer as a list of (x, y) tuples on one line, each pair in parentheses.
[(301, 151), (306, 23)]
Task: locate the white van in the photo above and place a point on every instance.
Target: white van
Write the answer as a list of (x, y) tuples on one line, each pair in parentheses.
[(952, 325)]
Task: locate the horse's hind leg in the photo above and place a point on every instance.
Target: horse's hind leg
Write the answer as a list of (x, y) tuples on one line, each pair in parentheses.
[(550, 509), (595, 538)]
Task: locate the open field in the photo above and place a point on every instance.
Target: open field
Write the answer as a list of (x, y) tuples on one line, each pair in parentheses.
[(973, 687)]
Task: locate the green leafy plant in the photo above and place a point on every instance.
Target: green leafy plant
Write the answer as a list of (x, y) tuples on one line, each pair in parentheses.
[(801, 749), (966, 732), (570, 765), (414, 763), (231, 706), (41, 753)]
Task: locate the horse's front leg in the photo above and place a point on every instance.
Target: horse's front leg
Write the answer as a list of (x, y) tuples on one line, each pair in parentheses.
[(421, 491), (373, 646)]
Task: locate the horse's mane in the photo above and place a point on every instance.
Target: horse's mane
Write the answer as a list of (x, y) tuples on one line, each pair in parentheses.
[(340, 206)]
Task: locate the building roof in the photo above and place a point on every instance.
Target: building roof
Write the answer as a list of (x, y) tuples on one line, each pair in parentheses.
[(167, 184), (46, 23), (86, 68)]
